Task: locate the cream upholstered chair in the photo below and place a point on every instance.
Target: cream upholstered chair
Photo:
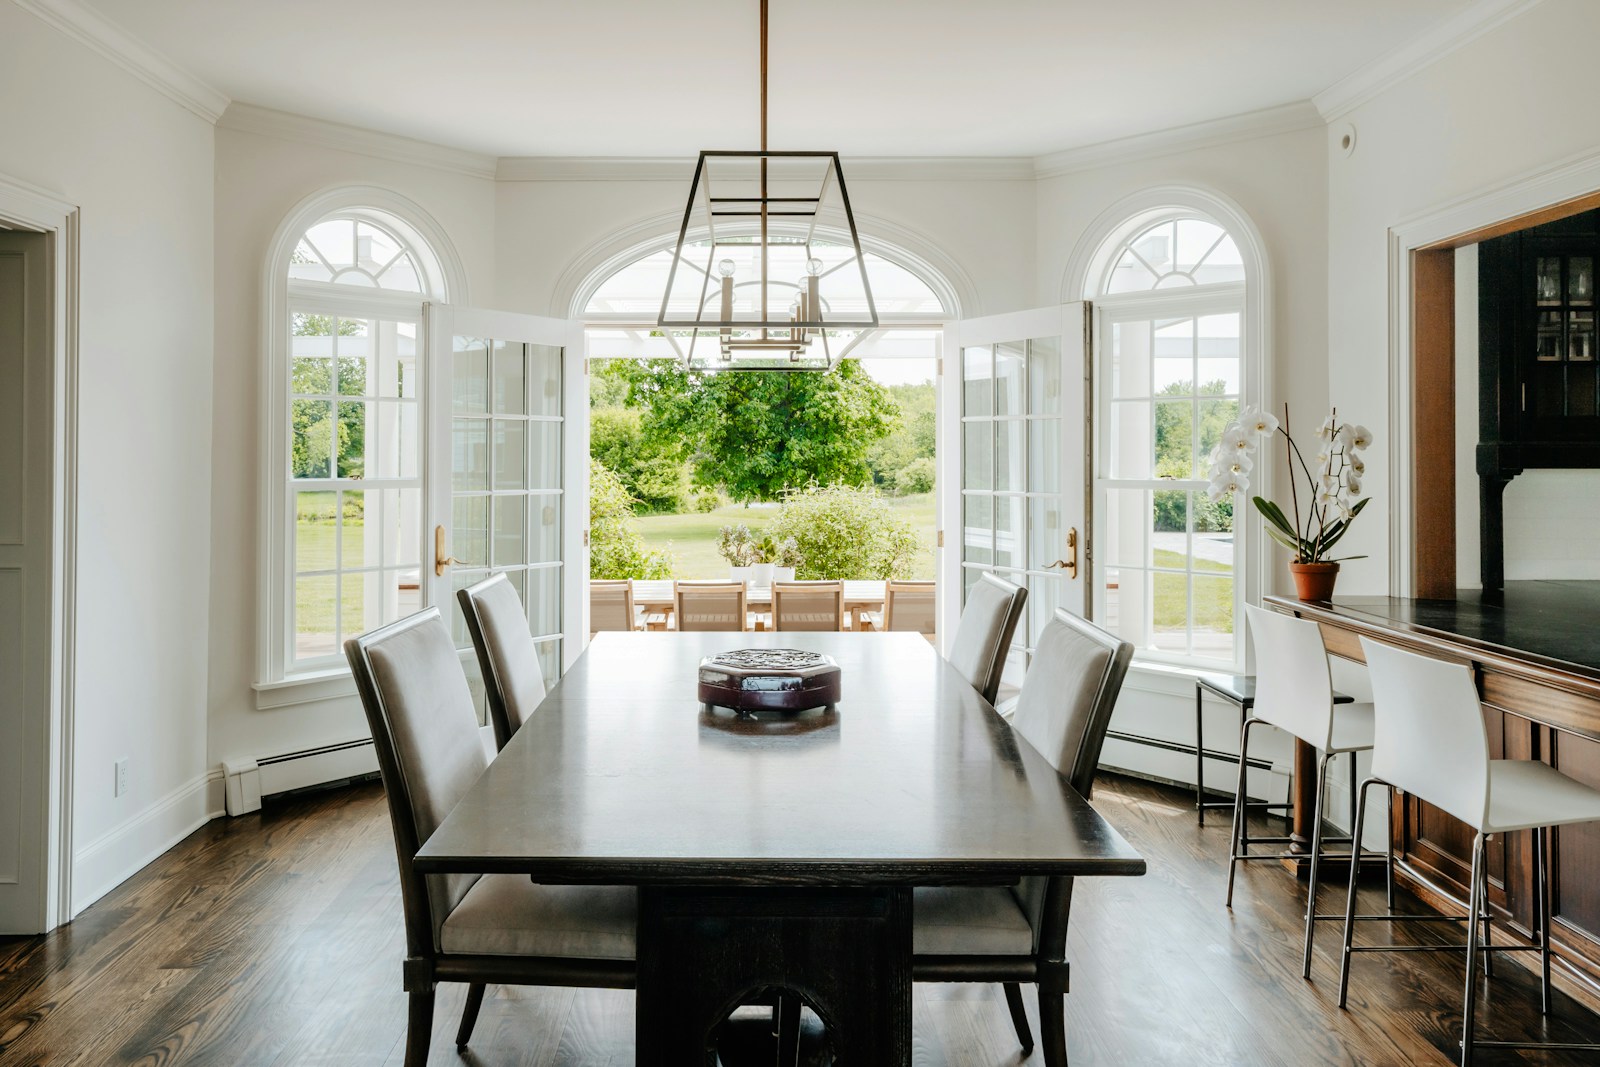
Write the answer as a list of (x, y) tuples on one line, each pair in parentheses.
[(1294, 692), (611, 606), (983, 636), (1429, 741), (811, 606), (1016, 934), (909, 606), (710, 605), (467, 927), (507, 657)]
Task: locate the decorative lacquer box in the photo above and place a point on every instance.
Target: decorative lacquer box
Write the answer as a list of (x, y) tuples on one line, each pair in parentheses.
[(769, 679)]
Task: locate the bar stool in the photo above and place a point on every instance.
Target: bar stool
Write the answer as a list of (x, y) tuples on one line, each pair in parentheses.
[(1239, 690), (1430, 742), (1294, 692)]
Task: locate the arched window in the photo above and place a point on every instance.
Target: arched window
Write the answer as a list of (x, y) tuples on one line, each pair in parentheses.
[(1173, 362), (346, 502)]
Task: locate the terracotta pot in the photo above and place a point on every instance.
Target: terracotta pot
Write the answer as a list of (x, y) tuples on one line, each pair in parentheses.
[(1314, 581)]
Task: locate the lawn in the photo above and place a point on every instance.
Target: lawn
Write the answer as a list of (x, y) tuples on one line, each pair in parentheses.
[(1213, 600), (692, 538)]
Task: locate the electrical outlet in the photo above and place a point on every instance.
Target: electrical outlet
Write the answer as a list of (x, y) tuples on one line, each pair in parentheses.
[(122, 777)]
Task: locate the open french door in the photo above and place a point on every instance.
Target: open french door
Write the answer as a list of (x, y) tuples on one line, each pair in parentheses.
[(508, 472), (1016, 390)]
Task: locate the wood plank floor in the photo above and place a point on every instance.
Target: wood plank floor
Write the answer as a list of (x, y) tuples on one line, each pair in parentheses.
[(275, 939)]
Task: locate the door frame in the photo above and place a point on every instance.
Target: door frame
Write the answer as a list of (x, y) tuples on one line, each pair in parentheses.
[(25, 206)]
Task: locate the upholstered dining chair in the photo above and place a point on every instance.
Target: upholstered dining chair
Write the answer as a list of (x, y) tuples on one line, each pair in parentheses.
[(710, 605), (611, 606), (983, 635), (909, 606), (467, 927), (812, 606), (508, 659), (1016, 934)]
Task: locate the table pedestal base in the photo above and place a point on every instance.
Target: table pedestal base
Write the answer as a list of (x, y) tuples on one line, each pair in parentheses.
[(704, 951)]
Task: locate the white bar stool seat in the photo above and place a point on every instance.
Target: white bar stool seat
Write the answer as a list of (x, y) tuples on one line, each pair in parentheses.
[(1294, 692), (1431, 742)]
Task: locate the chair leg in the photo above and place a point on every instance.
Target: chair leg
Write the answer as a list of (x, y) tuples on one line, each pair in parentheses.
[(419, 1028), (1053, 1027), (1471, 1002), (1316, 853), (1199, 757), (1541, 860), (1019, 1016), (1488, 931), (469, 1014), (1350, 900), (1353, 788), (788, 1012), (1388, 834), (1235, 845)]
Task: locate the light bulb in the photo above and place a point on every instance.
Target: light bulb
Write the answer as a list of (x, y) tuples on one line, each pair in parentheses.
[(813, 266), (725, 268)]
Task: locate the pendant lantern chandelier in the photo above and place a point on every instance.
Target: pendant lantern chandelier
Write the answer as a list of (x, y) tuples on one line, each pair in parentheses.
[(751, 283)]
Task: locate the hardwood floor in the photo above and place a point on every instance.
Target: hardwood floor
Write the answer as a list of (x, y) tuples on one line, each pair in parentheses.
[(274, 939)]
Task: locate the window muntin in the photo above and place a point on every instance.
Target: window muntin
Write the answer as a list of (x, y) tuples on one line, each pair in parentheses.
[(357, 252), (1171, 376)]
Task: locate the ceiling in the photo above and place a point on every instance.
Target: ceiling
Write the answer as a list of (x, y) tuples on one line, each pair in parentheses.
[(865, 77)]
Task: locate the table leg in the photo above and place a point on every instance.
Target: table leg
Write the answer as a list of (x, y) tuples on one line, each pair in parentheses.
[(1305, 805), (705, 950)]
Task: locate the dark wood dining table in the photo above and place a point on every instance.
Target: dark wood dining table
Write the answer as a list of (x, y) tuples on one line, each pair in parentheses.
[(774, 853)]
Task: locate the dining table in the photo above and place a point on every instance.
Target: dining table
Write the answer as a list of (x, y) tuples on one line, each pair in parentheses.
[(861, 598), (775, 853)]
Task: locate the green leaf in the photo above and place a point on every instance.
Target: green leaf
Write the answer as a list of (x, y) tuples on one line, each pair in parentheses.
[(1273, 514)]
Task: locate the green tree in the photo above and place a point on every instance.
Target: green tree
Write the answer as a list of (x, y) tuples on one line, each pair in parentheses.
[(759, 435), (846, 532), (311, 419), (911, 441), (1177, 454), (653, 471), (615, 548)]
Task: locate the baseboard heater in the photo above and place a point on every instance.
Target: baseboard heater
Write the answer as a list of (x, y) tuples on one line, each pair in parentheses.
[(249, 780), (1254, 762)]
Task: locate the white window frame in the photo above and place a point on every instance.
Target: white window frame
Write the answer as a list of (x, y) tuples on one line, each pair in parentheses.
[(442, 279), (1087, 276)]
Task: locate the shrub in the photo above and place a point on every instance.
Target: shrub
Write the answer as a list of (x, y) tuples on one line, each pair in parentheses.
[(707, 500), (844, 532), (915, 477), (615, 548), (655, 476)]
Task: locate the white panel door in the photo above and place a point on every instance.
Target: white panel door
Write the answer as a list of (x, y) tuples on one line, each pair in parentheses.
[(25, 623), (508, 475), (1017, 446)]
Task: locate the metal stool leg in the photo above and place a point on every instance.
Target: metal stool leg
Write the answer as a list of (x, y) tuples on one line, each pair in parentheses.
[(1353, 788), (1471, 1004), (1350, 901), (1541, 860), (1238, 843), (1488, 930), (1199, 756), (1389, 843), (1316, 852)]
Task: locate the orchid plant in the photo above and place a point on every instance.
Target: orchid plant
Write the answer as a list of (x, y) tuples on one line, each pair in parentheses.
[(1333, 487)]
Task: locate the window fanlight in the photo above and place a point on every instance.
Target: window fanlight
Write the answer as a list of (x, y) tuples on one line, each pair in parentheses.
[(756, 292)]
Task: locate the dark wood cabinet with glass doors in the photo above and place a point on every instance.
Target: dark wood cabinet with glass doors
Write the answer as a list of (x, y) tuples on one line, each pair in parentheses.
[(1538, 364)]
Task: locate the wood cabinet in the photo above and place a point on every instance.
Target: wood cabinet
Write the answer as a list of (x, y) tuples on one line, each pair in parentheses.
[(1538, 363)]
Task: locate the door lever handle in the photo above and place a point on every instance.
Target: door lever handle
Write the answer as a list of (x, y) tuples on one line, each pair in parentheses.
[(441, 559), (1070, 564)]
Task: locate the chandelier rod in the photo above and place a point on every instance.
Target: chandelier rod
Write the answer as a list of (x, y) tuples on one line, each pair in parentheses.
[(764, 285)]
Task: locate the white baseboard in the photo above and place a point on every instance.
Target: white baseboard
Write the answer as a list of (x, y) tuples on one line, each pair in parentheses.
[(121, 852)]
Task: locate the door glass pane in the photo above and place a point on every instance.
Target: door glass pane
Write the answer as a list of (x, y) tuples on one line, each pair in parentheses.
[(1044, 456), (977, 369), (1008, 377), (510, 530), (977, 455), (470, 530), (469, 458), (545, 546), (1044, 593), (977, 528), (1008, 453), (544, 601), (510, 454), (545, 472), (1010, 531), (471, 372), (1044, 376), (550, 660), (510, 363), (1047, 540), (544, 368)]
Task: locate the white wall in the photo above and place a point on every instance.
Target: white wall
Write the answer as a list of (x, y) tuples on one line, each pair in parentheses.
[(259, 181), (1507, 103), (140, 169)]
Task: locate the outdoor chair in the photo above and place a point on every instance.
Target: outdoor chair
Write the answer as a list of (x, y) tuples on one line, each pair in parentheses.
[(710, 605), (808, 606)]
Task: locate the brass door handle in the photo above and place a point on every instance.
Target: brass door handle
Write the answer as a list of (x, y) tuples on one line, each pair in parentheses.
[(441, 559), (1070, 564)]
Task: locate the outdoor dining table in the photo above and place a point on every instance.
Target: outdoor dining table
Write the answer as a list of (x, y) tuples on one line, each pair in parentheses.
[(860, 597), (777, 852)]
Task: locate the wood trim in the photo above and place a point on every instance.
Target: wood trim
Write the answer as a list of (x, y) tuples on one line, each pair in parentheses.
[(1565, 209), (1433, 451)]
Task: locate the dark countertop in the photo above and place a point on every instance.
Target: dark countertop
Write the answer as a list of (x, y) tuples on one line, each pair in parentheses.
[(1550, 623)]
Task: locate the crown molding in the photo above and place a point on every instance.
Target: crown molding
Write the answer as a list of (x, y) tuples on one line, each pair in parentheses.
[(1286, 118), (88, 27), (681, 169), (1388, 70), (302, 129)]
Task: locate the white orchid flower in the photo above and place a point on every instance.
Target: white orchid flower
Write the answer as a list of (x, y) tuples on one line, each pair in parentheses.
[(1324, 462), (1238, 464), (1352, 483), (1226, 487), (1327, 496), (1236, 439), (1345, 510), (1326, 431), (1259, 422), (1357, 464), (1360, 436)]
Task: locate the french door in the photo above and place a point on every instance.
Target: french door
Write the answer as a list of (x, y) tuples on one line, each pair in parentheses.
[(1018, 384), (508, 472)]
